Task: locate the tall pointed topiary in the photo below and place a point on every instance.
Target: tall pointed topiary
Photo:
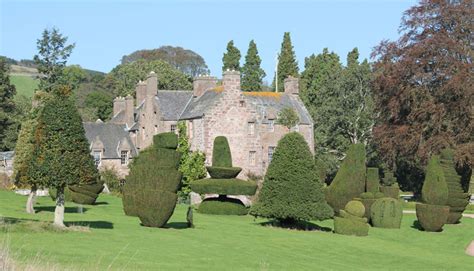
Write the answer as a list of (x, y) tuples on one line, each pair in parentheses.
[(433, 213), (372, 183), (350, 179), (457, 198), (223, 183), (291, 189)]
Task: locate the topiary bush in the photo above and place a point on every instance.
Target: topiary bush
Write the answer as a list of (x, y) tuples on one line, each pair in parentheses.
[(386, 213), (150, 190), (291, 189), (457, 198), (433, 213), (372, 183), (223, 183), (350, 179), (390, 186), (351, 220)]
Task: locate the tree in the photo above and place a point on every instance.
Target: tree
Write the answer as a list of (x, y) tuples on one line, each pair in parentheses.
[(7, 105), (252, 73), (291, 190), (184, 60), (102, 102), (123, 78), (423, 89), (51, 59), (61, 151), (288, 117), (231, 59), (287, 64)]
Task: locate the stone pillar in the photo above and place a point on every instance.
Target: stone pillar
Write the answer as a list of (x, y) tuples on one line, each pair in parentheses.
[(140, 92), (231, 81), (119, 105), (151, 84), (129, 108), (203, 83), (292, 85)]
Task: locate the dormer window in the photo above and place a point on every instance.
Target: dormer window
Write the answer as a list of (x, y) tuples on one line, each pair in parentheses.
[(97, 157)]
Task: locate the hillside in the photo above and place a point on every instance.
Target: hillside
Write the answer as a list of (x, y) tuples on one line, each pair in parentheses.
[(25, 84)]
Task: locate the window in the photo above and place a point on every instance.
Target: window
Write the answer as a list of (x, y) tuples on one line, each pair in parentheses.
[(251, 128), (173, 128), (271, 150), (124, 157), (241, 103), (97, 157), (252, 156), (271, 125)]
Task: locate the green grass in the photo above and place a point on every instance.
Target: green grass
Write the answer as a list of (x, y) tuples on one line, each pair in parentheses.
[(25, 85), (118, 242)]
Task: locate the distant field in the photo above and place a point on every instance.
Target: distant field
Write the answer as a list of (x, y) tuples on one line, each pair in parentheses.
[(25, 85)]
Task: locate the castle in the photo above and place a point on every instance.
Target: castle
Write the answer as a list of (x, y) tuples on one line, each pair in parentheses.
[(247, 119)]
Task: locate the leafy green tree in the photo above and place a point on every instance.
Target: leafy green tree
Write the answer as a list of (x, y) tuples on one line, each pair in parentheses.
[(7, 105), (192, 164), (252, 73), (102, 102), (51, 59), (61, 151), (123, 78), (291, 190), (74, 75), (288, 117), (231, 59), (287, 64)]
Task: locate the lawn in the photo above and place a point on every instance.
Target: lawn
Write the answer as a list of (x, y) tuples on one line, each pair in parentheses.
[(118, 242), (25, 85)]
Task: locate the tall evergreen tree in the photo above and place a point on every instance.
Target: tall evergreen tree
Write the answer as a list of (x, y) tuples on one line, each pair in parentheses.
[(231, 59), (7, 105), (252, 73), (287, 64), (51, 58)]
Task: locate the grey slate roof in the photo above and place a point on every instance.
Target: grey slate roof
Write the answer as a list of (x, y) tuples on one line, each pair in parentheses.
[(172, 103), (110, 135), (7, 155), (197, 106)]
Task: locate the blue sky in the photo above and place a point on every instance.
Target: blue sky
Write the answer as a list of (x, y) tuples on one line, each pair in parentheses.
[(106, 30)]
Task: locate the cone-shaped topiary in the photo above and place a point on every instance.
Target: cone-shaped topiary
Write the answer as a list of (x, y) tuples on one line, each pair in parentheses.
[(350, 178), (372, 183), (223, 183), (291, 189), (433, 213), (386, 213), (150, 188), (351, 221), (457, 198)]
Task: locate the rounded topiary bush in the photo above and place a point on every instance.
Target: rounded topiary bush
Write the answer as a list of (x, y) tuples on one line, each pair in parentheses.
[(367, 195), (386, 213), (350, 227), (350, 178), (432, 217), (222, 206), (379, 195), (355, 208), (291, 189)]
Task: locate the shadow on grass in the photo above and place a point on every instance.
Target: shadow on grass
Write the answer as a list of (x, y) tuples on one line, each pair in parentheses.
[(91, 224), (416, 225), (40, 209), (171, 225), (295, 225), (101, 203)]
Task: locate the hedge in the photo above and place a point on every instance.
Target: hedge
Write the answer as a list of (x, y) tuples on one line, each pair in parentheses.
[(222, 206), (224, 186), (158, 207), (386, 213), (223, 172), (432, 217), (166, 141), (350, 227), (372, 180), (367, 205), (391, 191), (221, 156)]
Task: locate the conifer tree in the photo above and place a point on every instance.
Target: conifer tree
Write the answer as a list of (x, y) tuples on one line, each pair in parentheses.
[(287, 64), (252, 73), (7, 105), (231, 59)]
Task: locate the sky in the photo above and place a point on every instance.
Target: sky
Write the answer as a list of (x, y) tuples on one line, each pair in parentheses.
[(106, 30)]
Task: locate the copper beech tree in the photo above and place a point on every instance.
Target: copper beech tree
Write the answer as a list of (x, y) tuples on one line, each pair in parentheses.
[(423, 88)]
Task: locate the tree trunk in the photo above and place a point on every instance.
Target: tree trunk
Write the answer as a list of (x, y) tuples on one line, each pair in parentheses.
[(59, 211), (31, 200)]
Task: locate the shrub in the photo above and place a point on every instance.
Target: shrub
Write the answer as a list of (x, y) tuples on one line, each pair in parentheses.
[(379, 195), (355, 208), (223, 172), (350, 178), (350, 227), (222, 206), (166, 141), (386, 213), (344, 214), (367, 195), (221, 156), (388, 179), (367, 202), (432, 217), (158, 207), (224, 187), (291, 189), (390, 191), (372, 180), (111, 179), (435, 188)]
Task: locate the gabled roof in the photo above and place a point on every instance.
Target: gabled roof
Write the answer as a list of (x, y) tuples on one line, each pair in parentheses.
[(198, 106), (110, 135), (171, 103)]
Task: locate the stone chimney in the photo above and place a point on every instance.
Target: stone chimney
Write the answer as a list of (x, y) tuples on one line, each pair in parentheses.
[(151, 84), (119, 105), (129, 108), (292, 85), (203, 83), (231, 81), (140, 92)]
